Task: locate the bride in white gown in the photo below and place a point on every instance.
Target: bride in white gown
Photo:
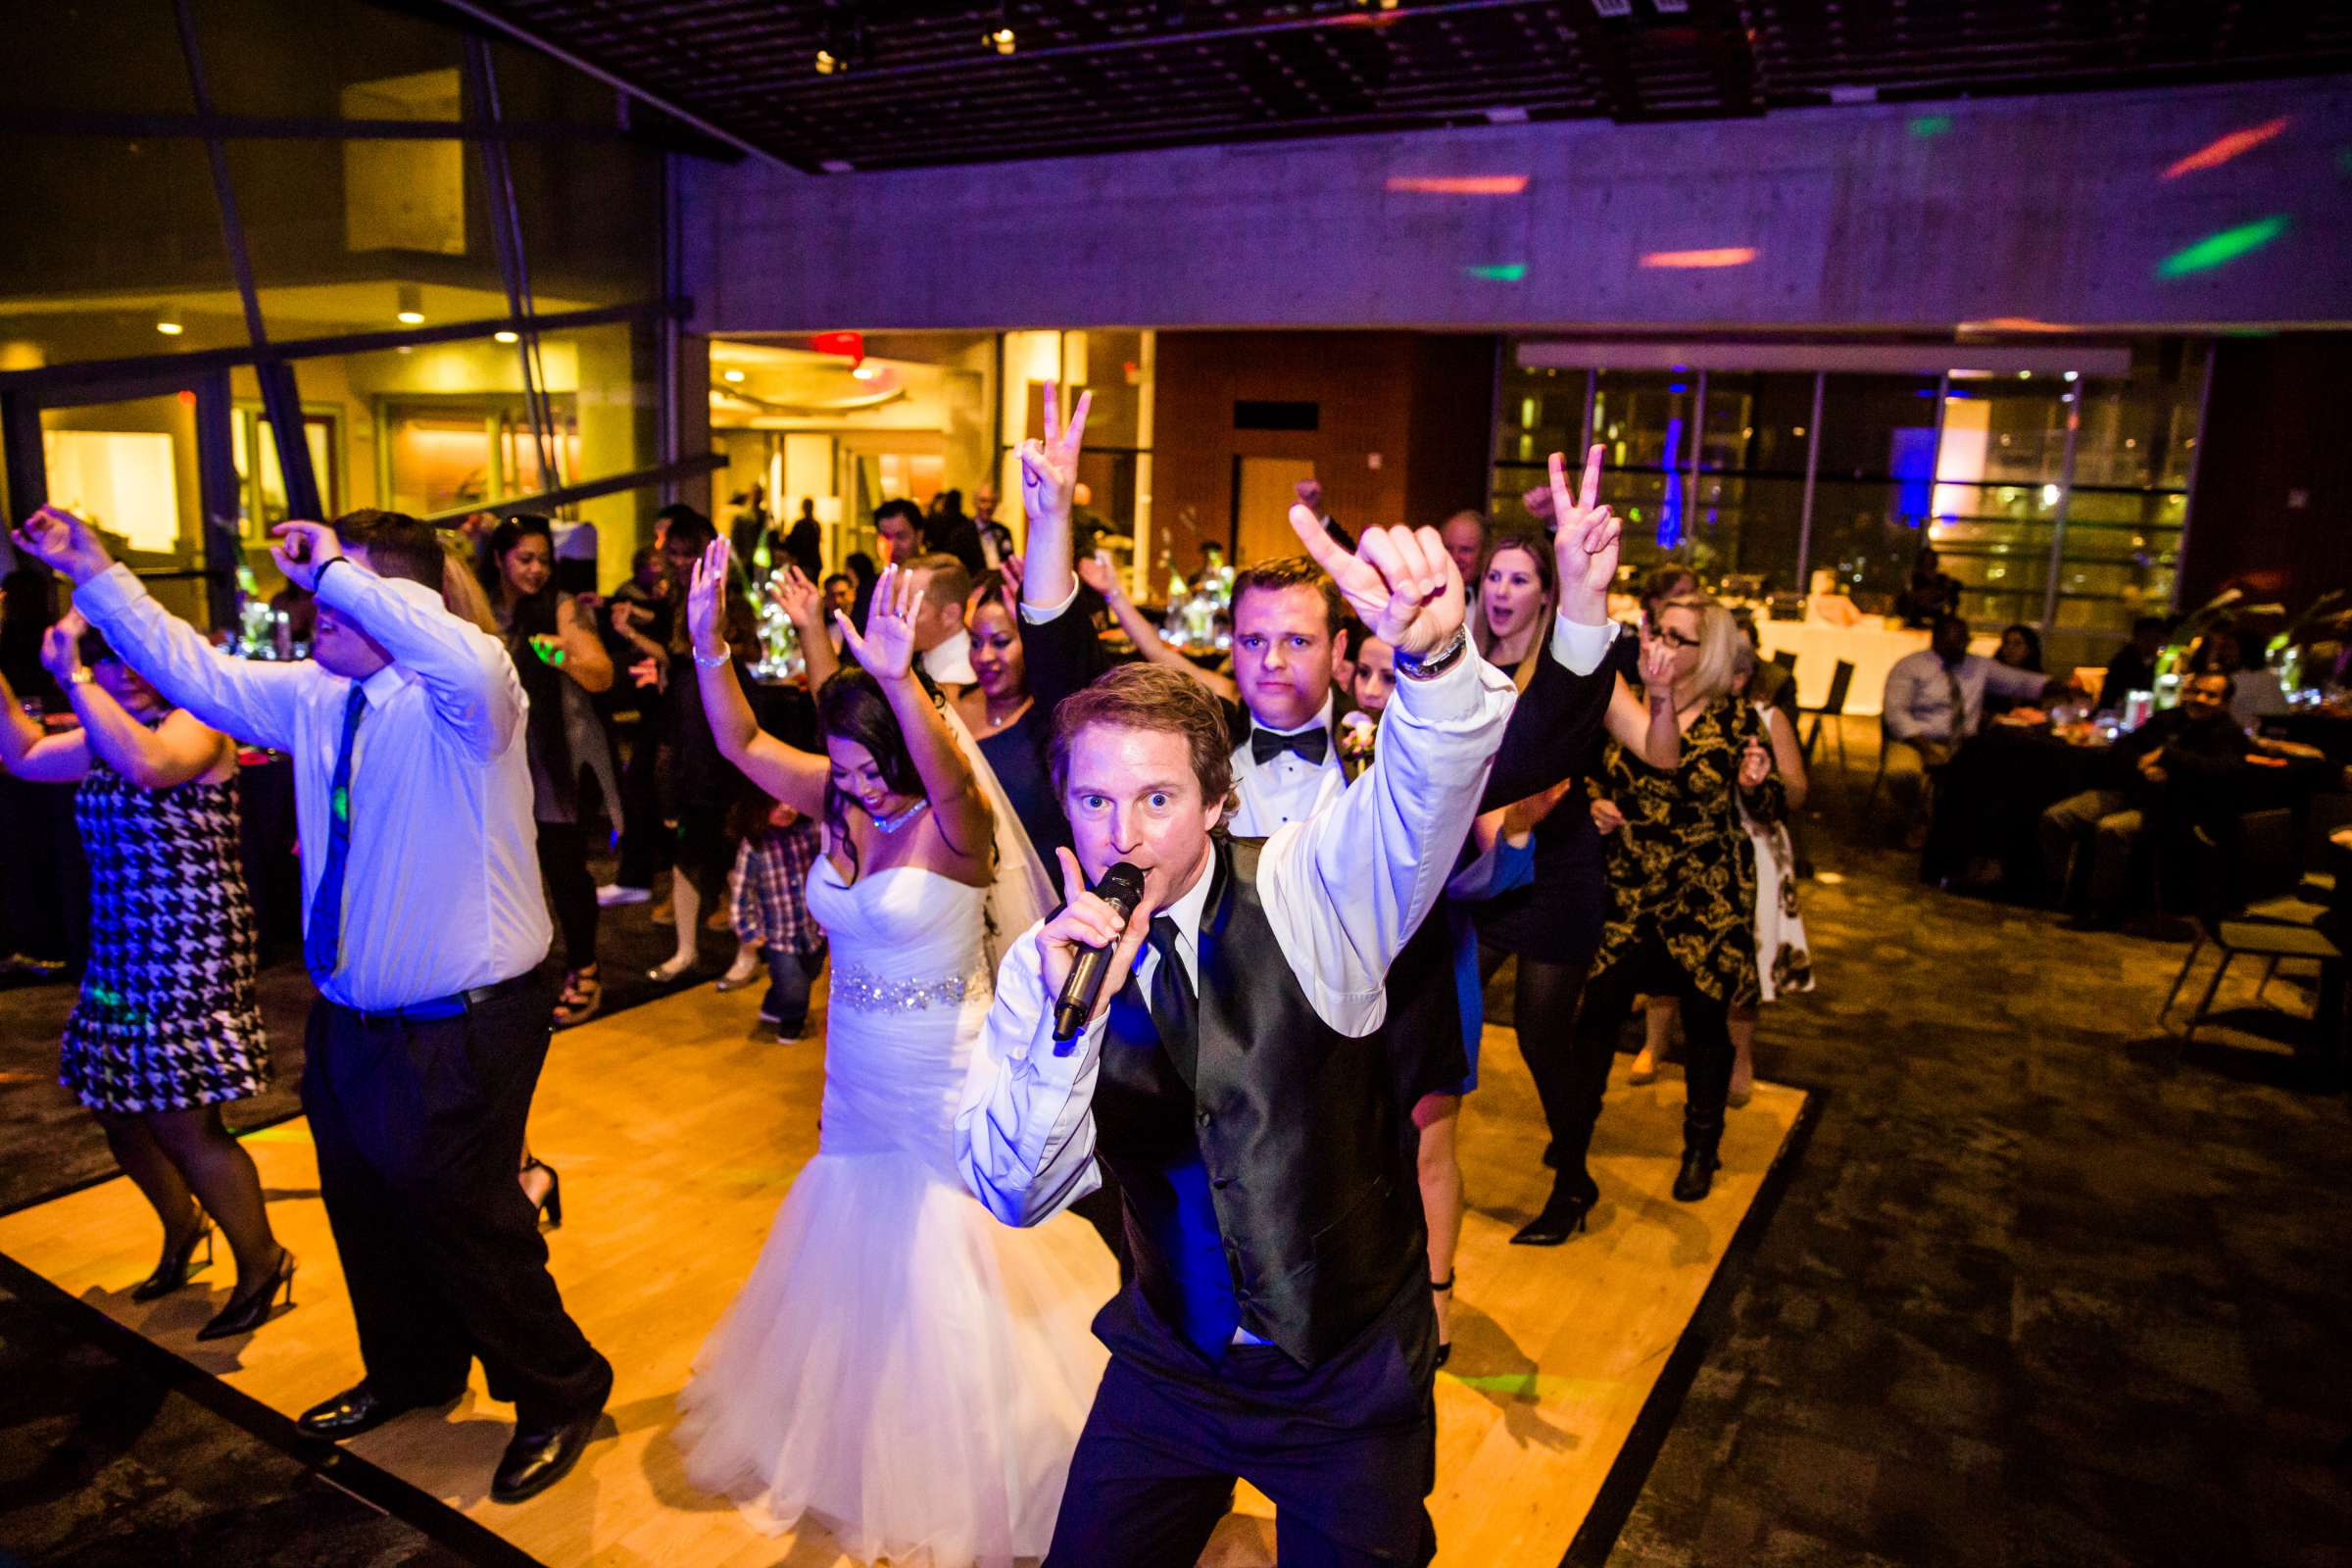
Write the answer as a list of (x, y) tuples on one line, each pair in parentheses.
[(899, 1366)]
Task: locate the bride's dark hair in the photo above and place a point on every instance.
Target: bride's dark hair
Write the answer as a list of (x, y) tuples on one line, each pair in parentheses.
[(850, 706)]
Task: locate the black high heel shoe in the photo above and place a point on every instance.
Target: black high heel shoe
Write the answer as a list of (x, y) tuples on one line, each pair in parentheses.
[(550, 1207), (177, 1265), (245, 1313), (1563, 1217)]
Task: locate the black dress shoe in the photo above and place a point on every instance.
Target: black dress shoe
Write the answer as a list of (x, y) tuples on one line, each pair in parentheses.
[(543, 1454), (356, 1409), (539, 1458), (1696, 1177), (1563, 1217)]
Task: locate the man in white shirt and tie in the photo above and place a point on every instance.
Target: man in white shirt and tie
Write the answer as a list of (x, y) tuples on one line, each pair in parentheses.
[(1226, 1077), (1934, 700), (425, 925)]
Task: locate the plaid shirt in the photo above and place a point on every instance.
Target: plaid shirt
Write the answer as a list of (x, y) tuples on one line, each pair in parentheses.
[(771, 879)]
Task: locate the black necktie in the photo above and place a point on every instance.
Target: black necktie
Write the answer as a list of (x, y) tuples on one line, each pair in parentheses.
[(1314, 745), (1174, 1004)]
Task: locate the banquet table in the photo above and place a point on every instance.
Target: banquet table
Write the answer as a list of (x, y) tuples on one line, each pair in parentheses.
[(1872, 647), (1989, 799)]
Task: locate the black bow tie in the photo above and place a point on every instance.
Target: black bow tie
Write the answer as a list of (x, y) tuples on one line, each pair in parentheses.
[(1313, 745)]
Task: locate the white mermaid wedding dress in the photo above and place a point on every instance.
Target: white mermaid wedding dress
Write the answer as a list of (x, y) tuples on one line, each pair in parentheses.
[(899, 1365)]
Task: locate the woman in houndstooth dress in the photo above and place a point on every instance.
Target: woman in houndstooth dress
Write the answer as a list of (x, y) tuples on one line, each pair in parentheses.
[(167, 1029)]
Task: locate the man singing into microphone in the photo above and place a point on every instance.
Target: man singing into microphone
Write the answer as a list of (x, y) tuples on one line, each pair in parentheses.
[(1279, 1327)]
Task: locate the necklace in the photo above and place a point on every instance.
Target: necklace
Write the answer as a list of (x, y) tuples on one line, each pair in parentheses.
[(891, 824), (996, 721)]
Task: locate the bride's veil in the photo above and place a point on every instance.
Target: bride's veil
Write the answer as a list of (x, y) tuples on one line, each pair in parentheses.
[(1022, 891)]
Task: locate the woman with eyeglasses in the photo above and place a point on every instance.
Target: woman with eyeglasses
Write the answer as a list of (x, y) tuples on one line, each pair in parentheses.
[(1552, 925), (1682, 875)]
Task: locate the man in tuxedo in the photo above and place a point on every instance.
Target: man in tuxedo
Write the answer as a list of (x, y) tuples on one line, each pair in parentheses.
[(1272, 1201)]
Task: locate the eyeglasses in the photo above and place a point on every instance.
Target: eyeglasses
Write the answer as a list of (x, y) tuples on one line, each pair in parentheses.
[(1675, 638)]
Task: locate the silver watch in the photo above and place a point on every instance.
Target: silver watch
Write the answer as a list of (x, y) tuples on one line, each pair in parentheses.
[(1431, 667)]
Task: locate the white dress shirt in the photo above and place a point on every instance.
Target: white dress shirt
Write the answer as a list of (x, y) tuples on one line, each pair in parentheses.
[(951, 662), (1287, 788), (1341, 890), (441, 888), (1918, 704)]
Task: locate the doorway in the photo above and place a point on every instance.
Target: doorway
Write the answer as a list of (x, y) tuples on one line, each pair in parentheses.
[(1265, 489)]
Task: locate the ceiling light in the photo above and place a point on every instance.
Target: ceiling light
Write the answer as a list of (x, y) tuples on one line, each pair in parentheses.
[(865, 371), (1001, 39), (733, 375), (412, 306), (2025, 375), (506, 337), (827, 61), (167, 321), (2072, 374)]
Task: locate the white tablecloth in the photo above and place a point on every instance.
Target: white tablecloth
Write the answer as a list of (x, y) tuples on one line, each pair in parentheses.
[(1873, 648)]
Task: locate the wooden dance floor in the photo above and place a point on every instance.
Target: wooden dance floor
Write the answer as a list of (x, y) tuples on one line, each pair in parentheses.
[(677, 1135)]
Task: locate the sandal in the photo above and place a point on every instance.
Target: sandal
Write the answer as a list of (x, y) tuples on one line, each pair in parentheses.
[(583, 994)]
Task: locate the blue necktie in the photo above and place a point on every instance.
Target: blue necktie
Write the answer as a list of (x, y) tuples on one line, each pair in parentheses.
[(323, 937)]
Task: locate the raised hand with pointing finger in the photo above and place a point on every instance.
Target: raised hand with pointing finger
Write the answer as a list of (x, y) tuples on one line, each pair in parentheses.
[(1399, 581)]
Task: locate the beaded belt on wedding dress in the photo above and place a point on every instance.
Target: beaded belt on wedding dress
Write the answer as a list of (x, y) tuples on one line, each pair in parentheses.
[(862, 990)]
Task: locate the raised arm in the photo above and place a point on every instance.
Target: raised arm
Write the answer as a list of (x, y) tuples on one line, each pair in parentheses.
[(464, 671), (27, 749), (585, 660), (1048, 479), (805, 606), (1348, 886), (1103, 578), (254, 701), (1646, 725), (886, 650), (786, 772), (173, 751), (1563, 713)]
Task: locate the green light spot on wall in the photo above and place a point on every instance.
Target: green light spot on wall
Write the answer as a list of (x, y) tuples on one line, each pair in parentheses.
[(1498, 273), (2219, 250), (340, 804), (1926, 126)]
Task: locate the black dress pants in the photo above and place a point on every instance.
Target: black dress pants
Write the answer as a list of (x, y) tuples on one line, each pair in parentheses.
[(418, 1126), (1346, 1450), (1609, 1002)]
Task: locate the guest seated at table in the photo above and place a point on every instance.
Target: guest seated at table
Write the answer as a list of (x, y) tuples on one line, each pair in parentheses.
[(2254, 691), (2182, 768), (1829, 602), (1931, 595), (2021, 649), (1934, 700), (2134, 667)]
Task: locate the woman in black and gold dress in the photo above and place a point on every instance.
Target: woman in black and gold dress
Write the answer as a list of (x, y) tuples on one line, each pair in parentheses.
[(168, 1028), (1681, 879)]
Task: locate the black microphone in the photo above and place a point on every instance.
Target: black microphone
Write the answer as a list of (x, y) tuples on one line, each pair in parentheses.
[(1122, 888)]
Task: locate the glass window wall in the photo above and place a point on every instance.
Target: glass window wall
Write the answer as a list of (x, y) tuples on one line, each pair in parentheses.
[(2056, 499)]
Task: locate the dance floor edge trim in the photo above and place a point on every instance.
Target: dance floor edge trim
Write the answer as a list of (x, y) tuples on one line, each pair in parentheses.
[(1596, 1538), (347, 1472)]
